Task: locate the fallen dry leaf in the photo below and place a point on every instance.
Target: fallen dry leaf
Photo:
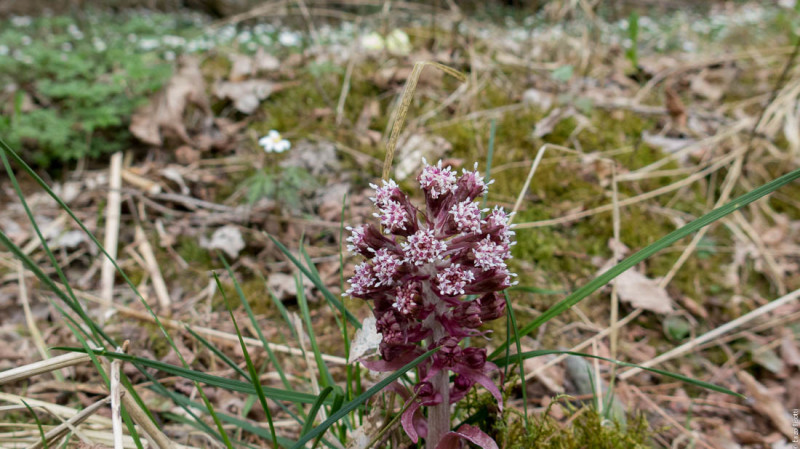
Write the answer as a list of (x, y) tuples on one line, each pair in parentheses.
[(789, 351), (246, 95), (766, 403), (676, 108), (164, 115), (227, 239), (187, 155), (640, 291)]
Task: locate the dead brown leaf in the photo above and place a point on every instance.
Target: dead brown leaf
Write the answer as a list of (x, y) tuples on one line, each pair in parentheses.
[(187, 155), (640, 291), (164, 115), (676, 108), (767, 403)]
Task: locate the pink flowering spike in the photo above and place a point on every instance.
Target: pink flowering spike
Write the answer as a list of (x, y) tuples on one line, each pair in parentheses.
[(389, 191), (407, 298), (363, 281), (366, 240), (394, 217), (452, 440), (471, 185), (423, 247), (452, 280), (489, 255), (466, 217), (419, 267), (386, 267), (437, 181)]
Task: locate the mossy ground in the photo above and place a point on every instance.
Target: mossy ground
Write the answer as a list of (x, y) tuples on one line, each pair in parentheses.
[(558, 258)]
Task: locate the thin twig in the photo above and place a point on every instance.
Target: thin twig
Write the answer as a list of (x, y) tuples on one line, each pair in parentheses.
[(688, 346), (111, 238)]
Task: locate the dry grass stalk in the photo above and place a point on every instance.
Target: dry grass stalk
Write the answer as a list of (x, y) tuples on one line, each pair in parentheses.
[(53, 435), (151, 264), (690, 345), (38, 341), (116, 396), (111, 238), (405, 103), (43, 366), (635, 199)]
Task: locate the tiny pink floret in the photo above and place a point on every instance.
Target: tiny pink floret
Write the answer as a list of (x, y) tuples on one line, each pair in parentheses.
[(437, 180), (423, 247)]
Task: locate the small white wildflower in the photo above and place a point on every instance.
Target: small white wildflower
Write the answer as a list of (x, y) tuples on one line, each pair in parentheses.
[(3, 50), (75, 32), (21, 21), (148, 44), (244, 36), (169, 55), (397, 42), (173, 41), (289, 38), (273, 142), (26, 40), (99, 44), (66, 46), (372, 41)]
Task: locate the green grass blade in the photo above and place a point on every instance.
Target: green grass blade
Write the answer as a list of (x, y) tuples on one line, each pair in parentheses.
[(227, 360), (341, 326), (326, 378), (352, 405), (256, 326), (535, 290), (38, 424), (312, 414), (530, 354), (254, 377), (648, 251), (275, 394), (318, 283), (513, 320)]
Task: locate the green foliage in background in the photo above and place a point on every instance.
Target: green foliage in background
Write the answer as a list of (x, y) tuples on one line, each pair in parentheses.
[(286, 186), (70, 89)]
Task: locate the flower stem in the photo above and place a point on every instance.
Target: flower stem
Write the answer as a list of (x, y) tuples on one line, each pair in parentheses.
[(439, 415)]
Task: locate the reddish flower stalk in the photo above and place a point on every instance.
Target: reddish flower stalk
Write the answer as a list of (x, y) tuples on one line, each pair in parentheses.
[(418, 274)]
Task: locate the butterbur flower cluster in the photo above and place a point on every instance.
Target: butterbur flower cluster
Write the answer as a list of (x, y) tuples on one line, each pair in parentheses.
[(435, 275)]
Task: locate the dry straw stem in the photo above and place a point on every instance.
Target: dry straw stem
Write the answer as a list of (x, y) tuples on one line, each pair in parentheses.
[(636, 199), (152, 267), (116, 396), (670, 420), (150, 430), (53, 435), (59, 410), (690, 345), (212, 334), (111, 238), (616, 225), (405, 103), (44, 366), (709, 61), (29, 320)]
